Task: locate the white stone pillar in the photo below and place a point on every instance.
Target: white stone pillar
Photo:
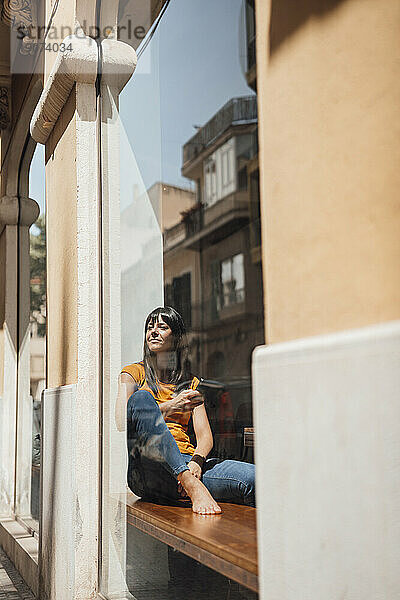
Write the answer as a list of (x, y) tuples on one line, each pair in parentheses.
[(68, 552), (75, 501)]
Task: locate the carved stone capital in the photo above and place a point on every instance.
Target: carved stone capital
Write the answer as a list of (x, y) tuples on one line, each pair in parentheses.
[(79, 65), (5, 116), (25, 212)]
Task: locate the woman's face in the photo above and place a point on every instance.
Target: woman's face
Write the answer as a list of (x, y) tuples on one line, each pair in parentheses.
[(159, 336)]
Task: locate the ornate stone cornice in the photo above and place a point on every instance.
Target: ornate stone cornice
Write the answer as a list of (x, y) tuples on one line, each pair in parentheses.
[(21, 16), (5, 116), (79, 65)]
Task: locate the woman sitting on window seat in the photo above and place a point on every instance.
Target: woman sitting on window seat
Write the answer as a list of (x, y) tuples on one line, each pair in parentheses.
[(164, 467)]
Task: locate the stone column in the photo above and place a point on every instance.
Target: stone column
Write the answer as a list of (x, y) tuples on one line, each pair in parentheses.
[(67, 122)]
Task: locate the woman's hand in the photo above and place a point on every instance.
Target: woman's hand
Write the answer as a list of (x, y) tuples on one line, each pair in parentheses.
[(185, 401), (195, 469)]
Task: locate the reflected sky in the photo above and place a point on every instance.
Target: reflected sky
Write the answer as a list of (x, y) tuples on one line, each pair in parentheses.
[(193, 65), (37, 177), (197, 64)]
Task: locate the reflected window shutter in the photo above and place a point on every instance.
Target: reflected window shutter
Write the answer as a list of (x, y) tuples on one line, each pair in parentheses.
[(168, 295), (216, 288), (182, 297), (186, 295)]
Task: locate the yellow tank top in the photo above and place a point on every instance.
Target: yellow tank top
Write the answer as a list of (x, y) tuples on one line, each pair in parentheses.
[(176, 423)]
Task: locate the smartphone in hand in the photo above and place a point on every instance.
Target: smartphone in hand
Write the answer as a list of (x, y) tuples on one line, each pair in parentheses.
[(200, 385)]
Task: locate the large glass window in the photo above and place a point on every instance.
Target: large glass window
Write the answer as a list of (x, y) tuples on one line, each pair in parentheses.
[(178, 149), (37, 319), (28, 339)]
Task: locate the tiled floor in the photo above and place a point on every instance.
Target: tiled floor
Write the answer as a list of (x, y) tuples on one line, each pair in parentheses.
[(12, 586)]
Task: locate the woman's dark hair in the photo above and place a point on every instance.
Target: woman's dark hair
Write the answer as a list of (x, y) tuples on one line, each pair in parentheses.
[(176, 373)]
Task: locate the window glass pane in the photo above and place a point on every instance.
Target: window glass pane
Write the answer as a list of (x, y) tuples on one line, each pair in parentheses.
[(238, 272), (28, 341), (232, 278), (226, 271), (225, 177), (184, 157), (37, 316)]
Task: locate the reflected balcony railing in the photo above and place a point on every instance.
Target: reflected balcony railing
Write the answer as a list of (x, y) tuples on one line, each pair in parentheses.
[(236, 111), (204, 225), (174, 236)]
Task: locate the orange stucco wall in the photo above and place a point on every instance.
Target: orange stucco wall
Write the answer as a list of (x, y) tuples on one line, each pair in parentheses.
[(329, 111)]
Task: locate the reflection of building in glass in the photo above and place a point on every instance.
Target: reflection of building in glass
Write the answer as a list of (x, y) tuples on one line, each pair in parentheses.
[(142, 223), (251, 73), (37, 317), (212, 264)]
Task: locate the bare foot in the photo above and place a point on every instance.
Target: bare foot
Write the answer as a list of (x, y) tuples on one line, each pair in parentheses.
[(202, 501)]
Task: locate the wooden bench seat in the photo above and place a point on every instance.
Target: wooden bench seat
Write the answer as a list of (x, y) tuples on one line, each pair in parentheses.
[(226, 543)]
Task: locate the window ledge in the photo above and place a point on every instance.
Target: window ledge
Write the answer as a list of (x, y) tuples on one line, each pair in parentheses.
[(23, 549)]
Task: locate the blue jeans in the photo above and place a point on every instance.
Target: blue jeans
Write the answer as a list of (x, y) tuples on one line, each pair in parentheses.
[(155, 460)]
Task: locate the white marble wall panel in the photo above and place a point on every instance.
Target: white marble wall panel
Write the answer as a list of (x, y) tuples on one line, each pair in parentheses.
[(327, 418)]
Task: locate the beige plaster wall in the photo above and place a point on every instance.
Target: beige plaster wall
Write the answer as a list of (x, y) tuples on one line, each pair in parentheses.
[(174, 201), (329, 109), (62, 249)]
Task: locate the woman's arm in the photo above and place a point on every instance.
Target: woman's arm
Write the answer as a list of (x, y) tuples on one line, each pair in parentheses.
[(204, 437), (126, 387), (185, 401)]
